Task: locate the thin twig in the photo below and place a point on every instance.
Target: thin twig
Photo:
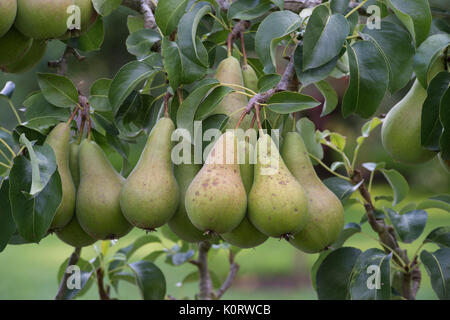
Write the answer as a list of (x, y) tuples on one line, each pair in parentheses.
[(73, 260), (61, 64), (149, 18), (205, 284), (234, 268), (239, 27)]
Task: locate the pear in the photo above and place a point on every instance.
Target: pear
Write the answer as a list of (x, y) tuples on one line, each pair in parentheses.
[(151, 194), (216, 200), (229, 71), (400, 133), (180, 223), (245, 235), (47, 19), (74, 235), (29, 59), (98, 208), (74, 149), (58, 139), (14, 46), (326, 214), (250, 77), (277, 204), (8, 10)]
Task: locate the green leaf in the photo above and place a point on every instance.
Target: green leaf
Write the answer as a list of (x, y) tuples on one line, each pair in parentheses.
[(415, 16), (86, 279), (210, 103), (330, 96), (339, 5), (287, 102), (278, 3), (410, 225), (99, 95), (427, 53), (371, 269), (248, 9), (369, 77), (126, 80), (150, 280), (313, 75), (140, 42), (337, 140), (32, 216), (135, 23), (372, 166), (92, 39), (431, 127), (316, 266), (37, 107), (270, 32), (398, 52), (43, 165), (334, 273), (368, 127), (168, 13), (343, 189), (7, 225), (106, 7), (398, 184), (444, 115), (439, 236), (439, 201), (187, 110), (268, 81), (349, 230), (437, 265), (324, 37), (307, 130), (58, 90)]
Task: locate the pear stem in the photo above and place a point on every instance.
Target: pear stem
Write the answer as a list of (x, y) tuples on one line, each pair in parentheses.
[(74, 113), (74, 257), (258, 119), (244, 53), (239, 27), (166, 104)]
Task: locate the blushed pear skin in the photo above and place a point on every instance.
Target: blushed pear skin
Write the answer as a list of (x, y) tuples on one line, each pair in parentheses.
[(216, 200), (151, 194), (325, 209), (98, 208), (277, 204), (58, 139)]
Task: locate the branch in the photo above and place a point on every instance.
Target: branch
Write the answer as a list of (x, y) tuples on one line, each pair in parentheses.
[(102, 292), (61, 64), (205, 285), (149, 18), (73, 260), (238, 28), (299, 5), (234, 268)]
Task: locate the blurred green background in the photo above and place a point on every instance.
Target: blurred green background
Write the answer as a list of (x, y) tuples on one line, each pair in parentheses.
[(275, 270)]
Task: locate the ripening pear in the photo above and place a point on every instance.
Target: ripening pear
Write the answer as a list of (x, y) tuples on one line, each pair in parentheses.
[(47, 19), (29, 59), (401, 130), (277, 204), (98, 206), (326, 214), (245, 235), (229, 71), (74, 235), (250, 77), (216, 200), (180, 223), (8, 10), (14, 46), (58, 139), (74, 166), (150, 196)]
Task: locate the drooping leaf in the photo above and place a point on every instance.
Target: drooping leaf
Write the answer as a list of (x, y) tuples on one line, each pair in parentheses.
[(343, 189), (330, 96), (168, 13), (441, 201), (398, 184), (150, 280), (7, 225), (410, 225), (437, 265), (439, 236)]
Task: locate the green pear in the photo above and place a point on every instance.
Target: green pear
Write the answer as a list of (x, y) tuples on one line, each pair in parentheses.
[(216, 200), (277, 204), (73, 163), (250, 77), (400, 133), (151, 194), (245, 235), (74, 235), (58, 139), (326, 214), (8, 10), (30, 59), (180, 223), (98, 206), (229, 72), (47, 19), (14, 46)]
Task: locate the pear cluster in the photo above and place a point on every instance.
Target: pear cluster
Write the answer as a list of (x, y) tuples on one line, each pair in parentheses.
[(26, 26)]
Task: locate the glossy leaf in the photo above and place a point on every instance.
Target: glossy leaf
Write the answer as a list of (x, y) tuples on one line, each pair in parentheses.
[(369, 77), (441, 201), (287, 102), (210, 103), (339, 5), (330, 96), (349, 230), (444, 115), (439, 236), (168, 13), (99, 95), (92, 39), (7, 225), (437, 265), (150, 280), (398, 184), (268, 81), (410, 225), (270, 32), (140, 42), (37, 107), (324, 37), (106, 7), (58, 90), (334, 274), (343, 189), (86, 278), (307, 130), (248, 9)]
